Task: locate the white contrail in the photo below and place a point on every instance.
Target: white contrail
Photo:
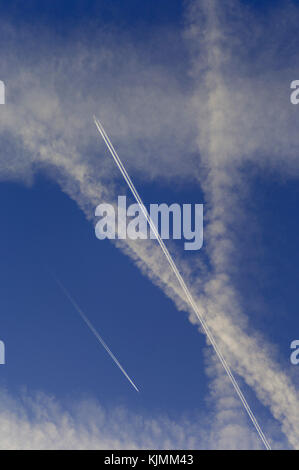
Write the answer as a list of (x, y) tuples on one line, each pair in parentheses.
[(94, 331), (182, 284)]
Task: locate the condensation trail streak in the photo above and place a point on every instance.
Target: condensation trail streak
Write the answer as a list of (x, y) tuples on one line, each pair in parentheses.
[(94, 331), (183, 284)]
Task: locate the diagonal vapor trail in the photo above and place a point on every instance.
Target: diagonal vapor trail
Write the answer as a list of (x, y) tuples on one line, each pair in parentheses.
[(182, 283), (93, 330)]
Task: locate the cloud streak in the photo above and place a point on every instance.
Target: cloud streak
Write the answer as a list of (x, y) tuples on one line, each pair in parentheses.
[(183, 285), (94, 331)]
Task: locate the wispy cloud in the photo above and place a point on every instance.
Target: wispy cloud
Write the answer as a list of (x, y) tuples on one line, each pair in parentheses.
[(38, 421)]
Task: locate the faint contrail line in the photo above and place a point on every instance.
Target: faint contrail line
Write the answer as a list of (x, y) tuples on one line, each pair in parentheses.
[(182, 284), (94, 331)]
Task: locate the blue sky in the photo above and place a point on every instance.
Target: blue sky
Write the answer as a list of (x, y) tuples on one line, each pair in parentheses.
[(59, 354), (193, 126)]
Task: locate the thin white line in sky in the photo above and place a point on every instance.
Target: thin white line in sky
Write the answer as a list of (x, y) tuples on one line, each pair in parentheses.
[(94, 331), (182, 284)]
